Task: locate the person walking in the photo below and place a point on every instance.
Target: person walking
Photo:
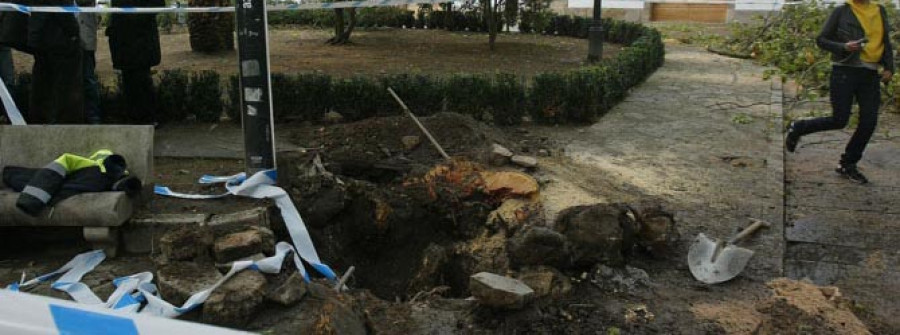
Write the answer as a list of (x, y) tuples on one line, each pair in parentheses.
[(88, 22), (134, 45), (857, 34)]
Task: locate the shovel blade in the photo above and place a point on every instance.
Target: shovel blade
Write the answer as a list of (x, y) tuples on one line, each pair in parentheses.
[(730, 261)]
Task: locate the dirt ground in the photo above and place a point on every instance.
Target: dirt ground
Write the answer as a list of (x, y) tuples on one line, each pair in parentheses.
[(375, 52)]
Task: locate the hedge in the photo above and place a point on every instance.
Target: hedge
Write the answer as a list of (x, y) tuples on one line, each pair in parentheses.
[(575, 96)]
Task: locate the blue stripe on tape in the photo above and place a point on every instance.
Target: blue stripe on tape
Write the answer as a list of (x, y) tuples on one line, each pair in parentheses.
[(127, 300), (71, 321), (161, 190), (272, 174), (71, 9), (324, 270), (13, 287)]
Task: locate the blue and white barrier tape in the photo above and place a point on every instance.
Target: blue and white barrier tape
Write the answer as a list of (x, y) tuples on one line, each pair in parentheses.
[(261, 185), (177, 9), (27, 314), (12, 112)]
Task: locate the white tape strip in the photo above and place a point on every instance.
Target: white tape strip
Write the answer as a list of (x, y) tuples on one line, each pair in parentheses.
[(150, 10), (12, 112)]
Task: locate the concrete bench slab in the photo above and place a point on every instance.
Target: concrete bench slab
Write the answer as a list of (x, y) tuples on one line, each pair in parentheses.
[(99, 213)]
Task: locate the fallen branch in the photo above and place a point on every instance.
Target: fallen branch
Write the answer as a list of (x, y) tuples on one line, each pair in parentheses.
[(422, 127)]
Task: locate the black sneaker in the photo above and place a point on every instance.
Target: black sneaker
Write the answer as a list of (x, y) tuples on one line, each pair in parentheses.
[(792, 138), (852, 173)]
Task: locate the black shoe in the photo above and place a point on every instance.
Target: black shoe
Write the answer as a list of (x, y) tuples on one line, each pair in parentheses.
[(852, 173), (792, 138)]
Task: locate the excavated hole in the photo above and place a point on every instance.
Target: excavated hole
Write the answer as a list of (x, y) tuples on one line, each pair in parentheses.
[(400, 239)]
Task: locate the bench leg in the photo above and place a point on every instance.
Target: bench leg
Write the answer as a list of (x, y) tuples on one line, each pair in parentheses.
[(106, 238)]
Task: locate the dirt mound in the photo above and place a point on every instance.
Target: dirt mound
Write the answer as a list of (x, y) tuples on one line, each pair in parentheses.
[(795, 307), (376, 139)]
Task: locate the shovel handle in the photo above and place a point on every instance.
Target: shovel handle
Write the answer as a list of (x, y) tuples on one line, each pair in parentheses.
[(757, 224)]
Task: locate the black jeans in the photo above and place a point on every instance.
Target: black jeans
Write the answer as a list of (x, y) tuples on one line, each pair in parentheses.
[(140, 98), (849, 83)]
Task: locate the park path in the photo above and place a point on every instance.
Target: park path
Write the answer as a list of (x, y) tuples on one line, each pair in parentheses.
[(841, 233), (704, 133)]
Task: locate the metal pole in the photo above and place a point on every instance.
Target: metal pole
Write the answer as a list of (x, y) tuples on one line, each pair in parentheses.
[(595, 34), (256, 89)]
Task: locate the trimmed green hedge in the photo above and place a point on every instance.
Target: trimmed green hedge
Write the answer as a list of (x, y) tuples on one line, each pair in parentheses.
[(576, 96)]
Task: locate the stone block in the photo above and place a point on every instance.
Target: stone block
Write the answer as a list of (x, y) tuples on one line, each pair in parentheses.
[(179, 280), (243, 244), (499, 291), (186, 243), (288, 292), (499, 155), (524, 161), (235, 302), (141, 235), (224, 224)]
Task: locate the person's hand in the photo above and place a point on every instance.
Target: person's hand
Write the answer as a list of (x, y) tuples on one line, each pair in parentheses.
[(852, 46), (886, 76)]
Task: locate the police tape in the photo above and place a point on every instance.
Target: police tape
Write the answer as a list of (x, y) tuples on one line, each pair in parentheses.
[(178, 9), (12, 112), (27, 314), (137, 293)]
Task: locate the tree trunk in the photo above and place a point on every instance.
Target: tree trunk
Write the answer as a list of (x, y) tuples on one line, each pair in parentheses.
[(492, 28), (210, 32), (342, 33)]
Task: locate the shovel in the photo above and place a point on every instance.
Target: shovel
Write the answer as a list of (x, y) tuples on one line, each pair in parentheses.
[(713, 261)]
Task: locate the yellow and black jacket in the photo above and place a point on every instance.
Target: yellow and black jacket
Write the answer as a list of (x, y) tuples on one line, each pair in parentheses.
[(69, 175)]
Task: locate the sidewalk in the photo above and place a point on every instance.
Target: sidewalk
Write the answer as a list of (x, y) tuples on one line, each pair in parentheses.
[(840, 233), (702, 134)]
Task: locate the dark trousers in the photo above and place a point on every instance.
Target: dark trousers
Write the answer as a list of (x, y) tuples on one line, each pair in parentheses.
[(849, 84), (56, 94), (91, 88), (140, 98)]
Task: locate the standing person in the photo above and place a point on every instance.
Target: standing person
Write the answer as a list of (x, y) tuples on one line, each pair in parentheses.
[(56, 95), (88, 23), (134, 45), (857, 34)]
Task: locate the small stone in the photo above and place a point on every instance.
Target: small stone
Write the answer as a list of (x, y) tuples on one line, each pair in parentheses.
[(235, 302), (499, 291), (499, 155), (524, 161), (333, 117), (628, 279), (289, 292), (544, 153), (179, 280), (238, 245), (537, 246), (545, 281), (186, 242), (411, 142)]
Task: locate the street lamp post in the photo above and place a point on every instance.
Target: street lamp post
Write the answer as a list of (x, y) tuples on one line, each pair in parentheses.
[(595, 34)]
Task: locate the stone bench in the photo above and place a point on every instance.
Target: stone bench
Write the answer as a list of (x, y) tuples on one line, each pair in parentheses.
[(99, 213)]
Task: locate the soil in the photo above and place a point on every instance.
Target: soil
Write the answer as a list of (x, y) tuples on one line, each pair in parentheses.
[(374, 52)]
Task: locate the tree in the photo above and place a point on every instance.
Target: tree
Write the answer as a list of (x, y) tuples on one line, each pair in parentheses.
[(342, 33), (211, 32), (493, 15)]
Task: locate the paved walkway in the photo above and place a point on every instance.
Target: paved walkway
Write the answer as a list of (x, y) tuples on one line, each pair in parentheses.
[(841, 233), (703, 134)]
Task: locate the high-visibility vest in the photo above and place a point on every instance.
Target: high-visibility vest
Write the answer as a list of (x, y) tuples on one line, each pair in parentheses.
[(96, 173)]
